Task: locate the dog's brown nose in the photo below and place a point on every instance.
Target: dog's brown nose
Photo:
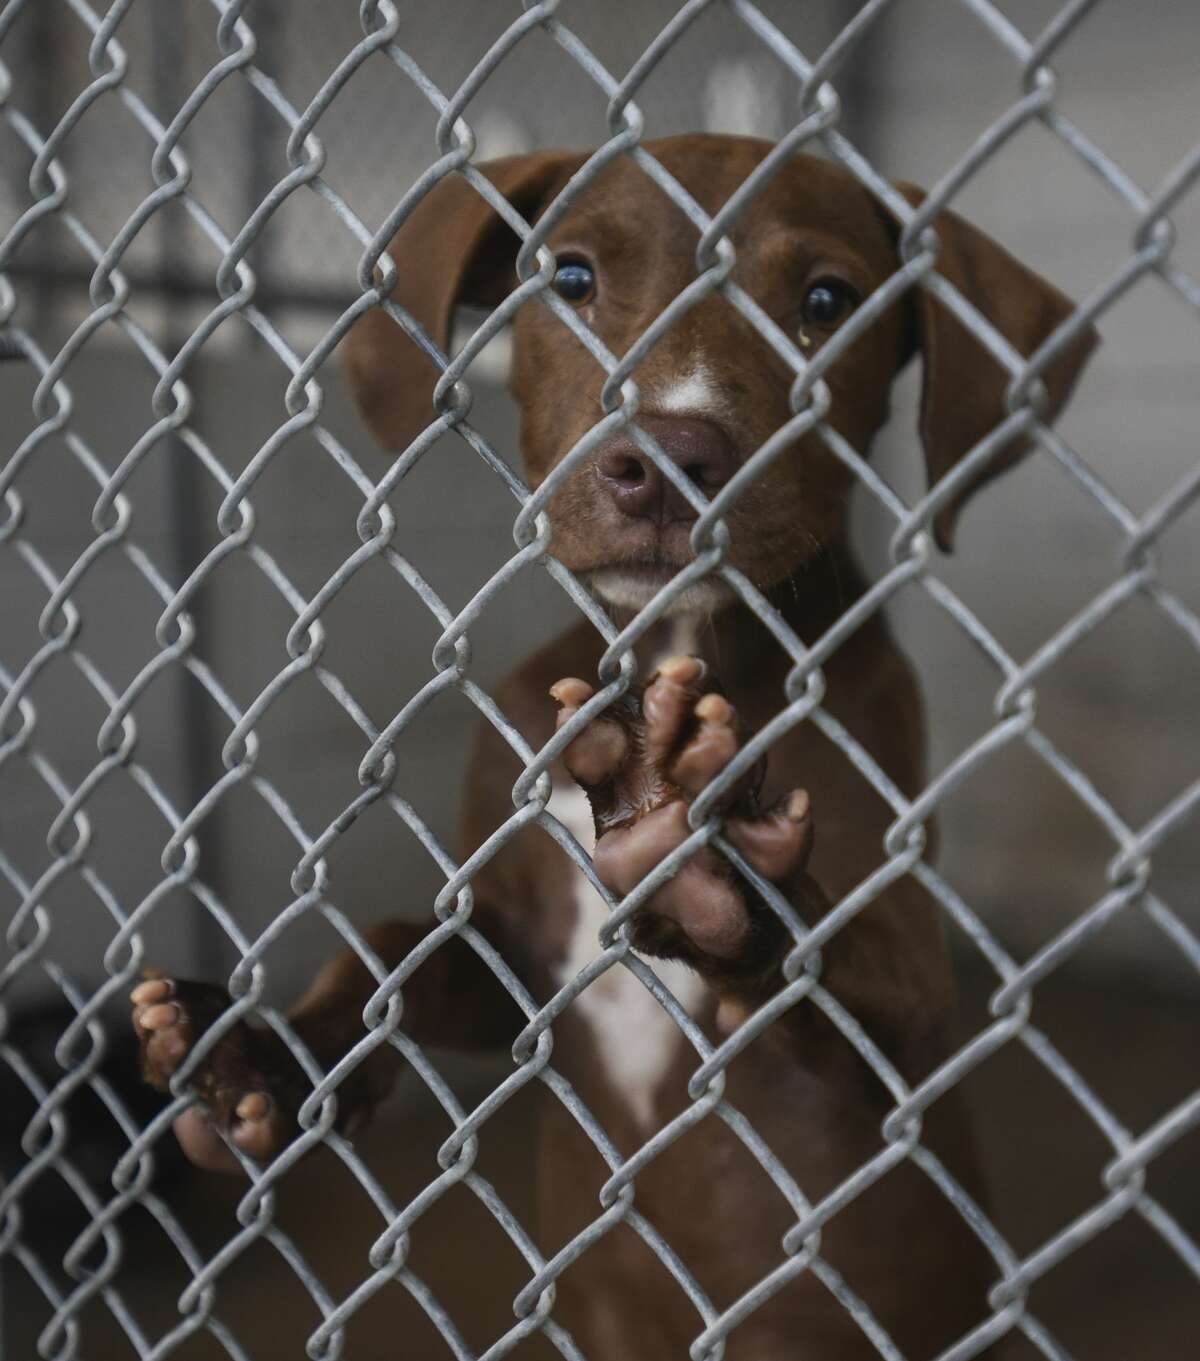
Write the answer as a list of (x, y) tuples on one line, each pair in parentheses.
[(699, 448)]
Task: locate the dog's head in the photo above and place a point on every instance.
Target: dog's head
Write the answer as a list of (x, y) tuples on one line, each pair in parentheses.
[(809, 248)]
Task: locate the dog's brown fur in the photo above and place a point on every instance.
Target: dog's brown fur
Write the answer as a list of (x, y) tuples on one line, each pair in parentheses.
[(811, 1098)]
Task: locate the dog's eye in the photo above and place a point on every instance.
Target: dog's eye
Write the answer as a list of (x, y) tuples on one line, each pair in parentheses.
[(827, 302), (575, 281)]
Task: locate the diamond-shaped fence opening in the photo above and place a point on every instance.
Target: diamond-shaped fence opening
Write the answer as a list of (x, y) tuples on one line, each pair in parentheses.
[(243, 652)]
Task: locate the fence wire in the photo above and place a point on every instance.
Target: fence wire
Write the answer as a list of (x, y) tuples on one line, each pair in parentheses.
[(91, 1264)]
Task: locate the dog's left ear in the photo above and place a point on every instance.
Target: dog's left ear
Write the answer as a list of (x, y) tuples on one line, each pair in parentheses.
[(962, 396)]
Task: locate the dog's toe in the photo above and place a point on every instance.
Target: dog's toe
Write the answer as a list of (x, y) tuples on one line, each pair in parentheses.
[(711, 747), (776, 844), (600, 750), (667, 705)]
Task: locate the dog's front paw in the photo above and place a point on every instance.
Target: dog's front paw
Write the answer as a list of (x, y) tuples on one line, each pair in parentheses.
[(249, 1083), (641, 763)]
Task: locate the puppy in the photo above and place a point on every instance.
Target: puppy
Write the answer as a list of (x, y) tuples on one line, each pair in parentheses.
[(809, 248)]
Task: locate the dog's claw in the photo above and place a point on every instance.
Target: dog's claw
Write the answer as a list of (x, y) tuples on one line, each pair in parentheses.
[(641, 766), (571, 692)]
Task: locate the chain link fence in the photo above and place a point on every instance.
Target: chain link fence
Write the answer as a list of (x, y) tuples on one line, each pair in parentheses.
[(218, 753)]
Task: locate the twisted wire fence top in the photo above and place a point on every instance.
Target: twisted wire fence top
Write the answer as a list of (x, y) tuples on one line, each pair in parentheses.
[(88, 1272)]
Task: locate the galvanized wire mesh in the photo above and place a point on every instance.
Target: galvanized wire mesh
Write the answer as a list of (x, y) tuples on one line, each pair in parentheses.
[(91, 1264)]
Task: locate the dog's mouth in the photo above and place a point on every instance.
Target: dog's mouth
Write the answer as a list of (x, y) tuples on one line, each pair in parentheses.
[(633, 585)]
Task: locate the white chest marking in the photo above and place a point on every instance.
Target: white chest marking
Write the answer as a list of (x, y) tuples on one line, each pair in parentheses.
[(634, 1035), (684, 640)]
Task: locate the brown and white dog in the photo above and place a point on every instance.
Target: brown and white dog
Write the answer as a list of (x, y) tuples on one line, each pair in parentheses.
[(809, 248)]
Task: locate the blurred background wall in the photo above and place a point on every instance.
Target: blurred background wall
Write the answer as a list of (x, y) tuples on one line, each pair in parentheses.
[(1032, 551)]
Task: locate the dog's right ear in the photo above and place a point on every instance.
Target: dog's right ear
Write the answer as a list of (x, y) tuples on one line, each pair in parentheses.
[(453, 250), (962, 395)]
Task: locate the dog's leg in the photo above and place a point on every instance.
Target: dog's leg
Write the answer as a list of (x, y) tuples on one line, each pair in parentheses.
[(641, 765), (250, 1084)]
